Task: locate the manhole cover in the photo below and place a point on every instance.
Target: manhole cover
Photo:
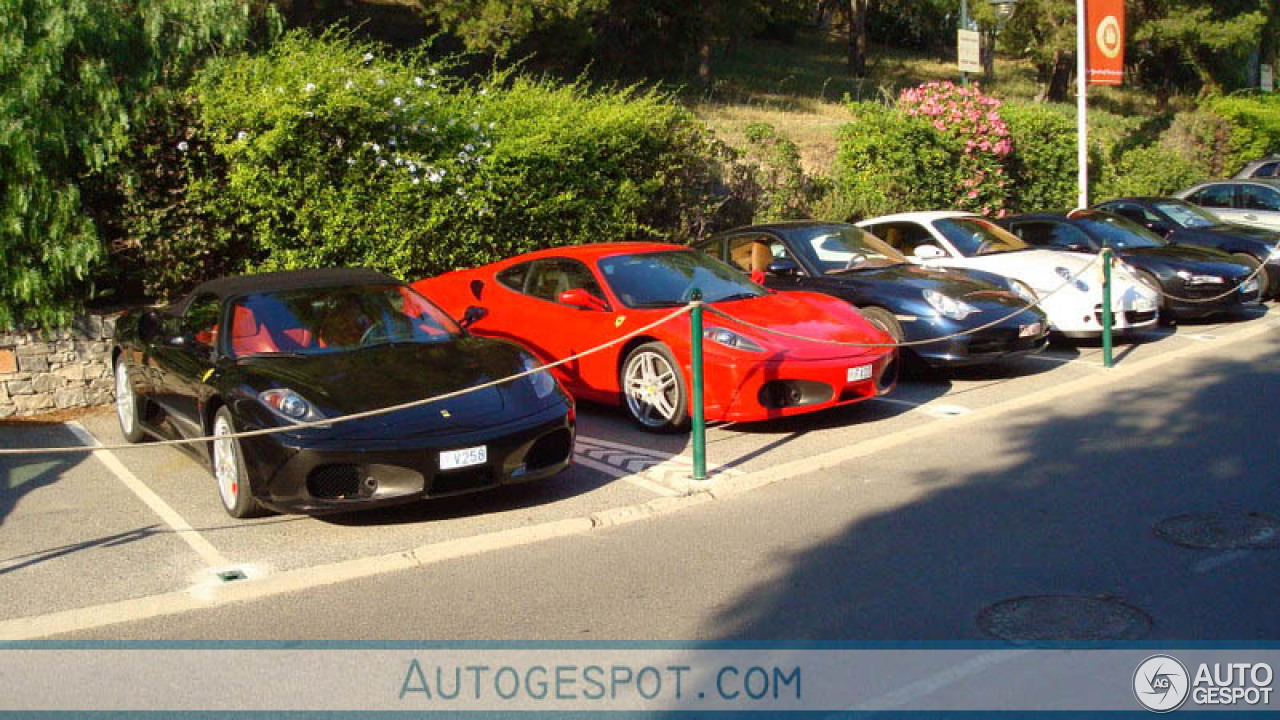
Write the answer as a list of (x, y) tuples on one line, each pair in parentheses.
[(1226, 531), (1063, 618)]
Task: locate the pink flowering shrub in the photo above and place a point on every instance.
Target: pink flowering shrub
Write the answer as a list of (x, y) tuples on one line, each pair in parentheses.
[(974, 119)]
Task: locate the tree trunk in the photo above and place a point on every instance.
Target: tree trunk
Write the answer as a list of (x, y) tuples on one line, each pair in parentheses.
[(704, 60), (1055, 78), (858, 37)]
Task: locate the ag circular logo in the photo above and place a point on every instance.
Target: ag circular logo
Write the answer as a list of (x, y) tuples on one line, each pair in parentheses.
[(1161, 683), (1108, 36)]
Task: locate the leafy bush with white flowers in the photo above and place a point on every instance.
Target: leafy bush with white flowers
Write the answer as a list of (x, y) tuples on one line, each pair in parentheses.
[(336, 155)]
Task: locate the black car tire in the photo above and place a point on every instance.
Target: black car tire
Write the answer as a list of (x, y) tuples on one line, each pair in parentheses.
[(1264, 279), (644, 366), (238, 500), (884, 320), (128, 405)]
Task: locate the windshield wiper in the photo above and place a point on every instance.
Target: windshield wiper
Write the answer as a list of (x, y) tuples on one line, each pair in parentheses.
[(737, 296), (656, 304), (274, 354)]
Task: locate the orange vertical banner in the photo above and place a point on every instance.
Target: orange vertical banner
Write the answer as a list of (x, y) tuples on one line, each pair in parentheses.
[(1105, 25)]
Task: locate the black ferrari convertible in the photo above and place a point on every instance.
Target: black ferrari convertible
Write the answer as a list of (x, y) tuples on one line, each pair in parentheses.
[(292, 348)]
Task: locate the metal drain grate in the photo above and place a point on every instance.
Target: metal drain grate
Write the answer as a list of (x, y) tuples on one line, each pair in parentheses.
[(231, 575), (1063, 618), (1221, 531)]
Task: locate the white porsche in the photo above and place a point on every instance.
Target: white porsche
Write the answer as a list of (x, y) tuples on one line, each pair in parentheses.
[(966, 240)]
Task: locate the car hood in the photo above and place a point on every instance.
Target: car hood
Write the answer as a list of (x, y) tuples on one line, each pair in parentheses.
[(955, 282), (804, 314), (386, 375), (1258, 233), (1185, 257), (1037, 268)]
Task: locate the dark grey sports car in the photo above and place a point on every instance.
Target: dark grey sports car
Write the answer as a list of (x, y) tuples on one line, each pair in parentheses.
[(909, 302), (1182, 223), (1192, 281), (279, 349)]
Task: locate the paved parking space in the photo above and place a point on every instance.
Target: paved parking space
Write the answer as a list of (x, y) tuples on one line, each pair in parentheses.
[(82, 531)]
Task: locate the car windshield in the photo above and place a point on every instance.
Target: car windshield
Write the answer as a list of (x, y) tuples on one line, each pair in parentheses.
[(1187, 215), (1118, 232), (837, 249), (975, 236), (315, 321), (668, 278)]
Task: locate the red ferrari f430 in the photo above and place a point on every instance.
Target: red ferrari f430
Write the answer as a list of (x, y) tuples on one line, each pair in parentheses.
[(561, 302)]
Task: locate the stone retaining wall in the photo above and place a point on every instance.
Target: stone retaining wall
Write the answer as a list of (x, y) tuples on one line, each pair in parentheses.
[(62, 369)]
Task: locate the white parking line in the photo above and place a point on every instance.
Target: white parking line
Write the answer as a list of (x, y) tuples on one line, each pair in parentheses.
[(1043, 357), (180, 527)]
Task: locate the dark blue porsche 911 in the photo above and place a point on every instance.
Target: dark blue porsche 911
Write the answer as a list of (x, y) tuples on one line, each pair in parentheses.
[(282, 349)]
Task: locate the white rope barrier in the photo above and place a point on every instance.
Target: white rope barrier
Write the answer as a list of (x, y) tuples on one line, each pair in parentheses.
[(914, 343), (329, 422), (1262, 291)]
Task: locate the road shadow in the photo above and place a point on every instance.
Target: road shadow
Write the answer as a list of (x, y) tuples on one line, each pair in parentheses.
[(1062, 501), (21, 475)]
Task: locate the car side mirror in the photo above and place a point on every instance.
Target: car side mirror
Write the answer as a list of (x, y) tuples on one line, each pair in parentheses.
[(583, 300), (1157, 228), (783, 267), (928, 252), (473, 315)]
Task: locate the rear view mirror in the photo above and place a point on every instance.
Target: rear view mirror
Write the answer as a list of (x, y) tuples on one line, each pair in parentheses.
[(928, 252), (473, 315), (582, 300), (783, 267)]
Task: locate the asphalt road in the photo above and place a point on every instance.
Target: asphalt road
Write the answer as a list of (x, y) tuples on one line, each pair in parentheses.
[(1042, 477)]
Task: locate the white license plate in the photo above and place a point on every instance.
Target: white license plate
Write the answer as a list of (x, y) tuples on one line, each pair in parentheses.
[(862, 372), (466, 457), (1032, 330)]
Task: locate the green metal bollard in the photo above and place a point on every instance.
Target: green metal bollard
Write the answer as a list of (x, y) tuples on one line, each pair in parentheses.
[(699, 418), (1107, 361)]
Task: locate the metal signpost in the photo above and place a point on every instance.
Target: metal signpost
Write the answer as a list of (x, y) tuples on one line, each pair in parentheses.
[(1099, 61), (695, 396)]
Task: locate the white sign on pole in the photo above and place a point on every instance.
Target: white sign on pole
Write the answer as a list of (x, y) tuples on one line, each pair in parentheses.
[(1266, 74), (969, 43)]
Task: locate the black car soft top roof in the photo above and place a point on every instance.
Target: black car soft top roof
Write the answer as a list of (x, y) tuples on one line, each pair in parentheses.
[(290, 280)]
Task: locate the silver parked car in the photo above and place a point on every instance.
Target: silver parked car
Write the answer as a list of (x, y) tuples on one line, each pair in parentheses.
[(1263, 167), (1254, 202)]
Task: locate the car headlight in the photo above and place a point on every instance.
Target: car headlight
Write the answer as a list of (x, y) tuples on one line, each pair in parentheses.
[(948, 306), (1191, 278), (1274, 255), (1066, 274), (289, 405), (542, 382), (731, 339), (1024, 291)]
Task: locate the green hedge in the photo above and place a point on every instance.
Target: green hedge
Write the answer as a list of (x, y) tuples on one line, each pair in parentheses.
[(1255, 122), (889, 161), (1043, 165), (335, 155)]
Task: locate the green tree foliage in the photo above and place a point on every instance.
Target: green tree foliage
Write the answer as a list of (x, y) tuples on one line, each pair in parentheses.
[(1044, 32), (75, 77), (335, 155), (1212, 37)]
